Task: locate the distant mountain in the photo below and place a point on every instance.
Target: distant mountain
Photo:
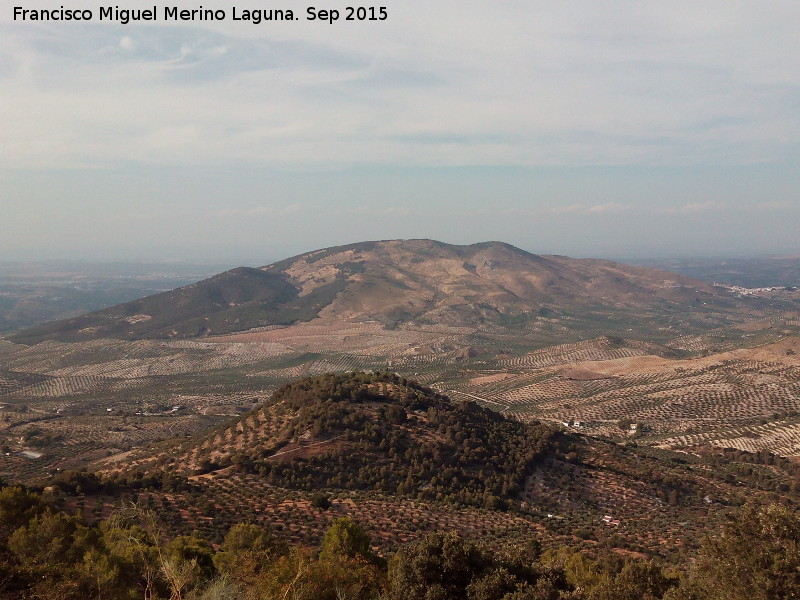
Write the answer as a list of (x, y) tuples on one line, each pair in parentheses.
[(775, 271), (391, 282)]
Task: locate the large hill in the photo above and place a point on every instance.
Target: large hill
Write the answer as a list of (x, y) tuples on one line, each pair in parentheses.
[(405, 459), (396, 282)]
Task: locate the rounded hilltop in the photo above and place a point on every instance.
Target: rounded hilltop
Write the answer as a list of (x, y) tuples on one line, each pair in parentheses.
[(375, 432)]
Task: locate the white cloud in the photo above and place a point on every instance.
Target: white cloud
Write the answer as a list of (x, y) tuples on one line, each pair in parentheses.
[(608, 207), (715, 206), (446, 83), (271, 211), (695, 207), (775, 205), (540, 211)]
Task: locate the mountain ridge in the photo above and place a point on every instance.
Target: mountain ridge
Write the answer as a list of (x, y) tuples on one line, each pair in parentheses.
[(392, 282)]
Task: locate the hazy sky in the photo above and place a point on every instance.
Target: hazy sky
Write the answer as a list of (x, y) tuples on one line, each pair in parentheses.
[(577, 127)]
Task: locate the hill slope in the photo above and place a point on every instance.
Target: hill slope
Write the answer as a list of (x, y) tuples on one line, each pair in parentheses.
[(398, 455), (375, 432), (392, 282)]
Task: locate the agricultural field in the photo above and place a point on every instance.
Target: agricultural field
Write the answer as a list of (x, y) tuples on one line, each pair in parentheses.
[(644, 502), (71, 404), (747, 399)]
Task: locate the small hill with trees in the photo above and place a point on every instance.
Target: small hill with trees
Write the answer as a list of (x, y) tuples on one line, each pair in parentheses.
[(375, 432)]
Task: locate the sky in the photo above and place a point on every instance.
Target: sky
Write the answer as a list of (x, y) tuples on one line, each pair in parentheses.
[(616, 129)]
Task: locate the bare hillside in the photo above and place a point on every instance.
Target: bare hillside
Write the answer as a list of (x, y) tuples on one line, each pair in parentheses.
[(406, 281)]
